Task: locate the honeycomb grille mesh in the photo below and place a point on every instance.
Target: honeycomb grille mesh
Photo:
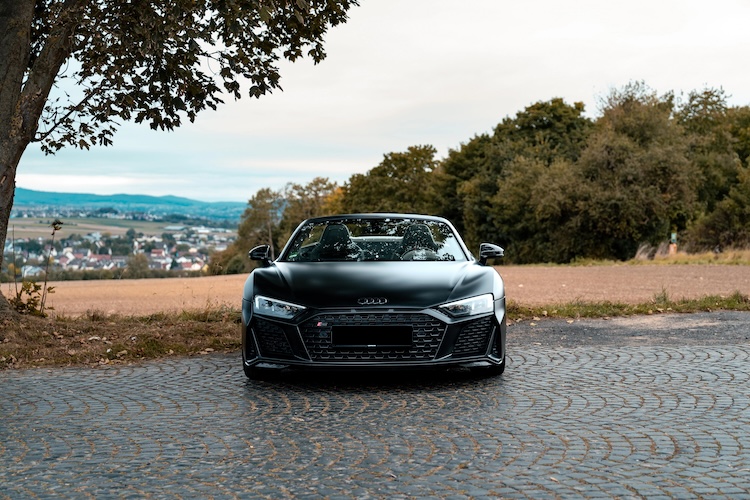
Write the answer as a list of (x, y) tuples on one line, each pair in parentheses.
[(427, 334), (271, 339), (473, 338)]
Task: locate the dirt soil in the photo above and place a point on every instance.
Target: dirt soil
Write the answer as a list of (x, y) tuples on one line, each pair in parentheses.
[(525, 285)]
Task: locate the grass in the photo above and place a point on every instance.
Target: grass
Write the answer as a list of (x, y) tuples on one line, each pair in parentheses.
[(727, 257), (100, 339)]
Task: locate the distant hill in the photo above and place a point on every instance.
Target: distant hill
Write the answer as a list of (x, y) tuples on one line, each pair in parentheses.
[(30, 199)]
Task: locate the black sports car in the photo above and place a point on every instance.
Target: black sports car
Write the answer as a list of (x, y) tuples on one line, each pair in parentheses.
[(371, 291)]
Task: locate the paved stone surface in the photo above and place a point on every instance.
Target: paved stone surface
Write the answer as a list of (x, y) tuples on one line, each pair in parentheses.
[(615, 415)]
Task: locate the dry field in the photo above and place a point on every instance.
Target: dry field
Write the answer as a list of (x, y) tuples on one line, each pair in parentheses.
[(37, 227), (526, 286)]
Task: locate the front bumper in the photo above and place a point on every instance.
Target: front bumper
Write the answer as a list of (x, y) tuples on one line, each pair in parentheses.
[(435, 339)]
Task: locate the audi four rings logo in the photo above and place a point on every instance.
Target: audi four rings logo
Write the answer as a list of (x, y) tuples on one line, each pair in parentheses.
[(372, 301)]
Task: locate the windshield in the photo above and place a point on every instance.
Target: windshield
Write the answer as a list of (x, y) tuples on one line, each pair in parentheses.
[(374, 240)]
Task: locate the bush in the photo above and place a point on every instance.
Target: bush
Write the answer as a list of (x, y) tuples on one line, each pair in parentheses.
[(30, 298)]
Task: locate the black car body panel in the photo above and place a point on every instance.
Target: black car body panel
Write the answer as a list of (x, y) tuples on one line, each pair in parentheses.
[(355, 303), (404, 284)]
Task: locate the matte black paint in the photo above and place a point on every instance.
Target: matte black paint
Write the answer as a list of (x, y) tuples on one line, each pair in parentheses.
[(405, 286)]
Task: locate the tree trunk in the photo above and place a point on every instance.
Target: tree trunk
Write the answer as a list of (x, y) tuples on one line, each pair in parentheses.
[(15, 40), (24, 90)]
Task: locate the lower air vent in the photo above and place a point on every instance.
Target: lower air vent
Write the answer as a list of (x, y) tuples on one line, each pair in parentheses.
[(473, 338)]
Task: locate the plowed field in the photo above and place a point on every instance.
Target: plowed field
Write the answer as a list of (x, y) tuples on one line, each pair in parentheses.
[(525, 285)]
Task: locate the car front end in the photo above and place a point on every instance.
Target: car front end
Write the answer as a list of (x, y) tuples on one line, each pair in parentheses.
[(373, 312), (373, 335)]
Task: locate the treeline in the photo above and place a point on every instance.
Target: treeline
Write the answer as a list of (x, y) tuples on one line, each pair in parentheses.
[(552, 185)]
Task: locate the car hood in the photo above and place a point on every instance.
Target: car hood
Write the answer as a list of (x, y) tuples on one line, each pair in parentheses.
[(342, 284)]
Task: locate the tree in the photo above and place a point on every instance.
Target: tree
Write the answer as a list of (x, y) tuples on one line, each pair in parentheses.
[(400, 183), (704, 116), (137, 266), (259, 226), (168, 239), (531, 201), (472, 184), (152, 61), (623, 180), (739, 127), (636, 181), (305, 201), (547, 131), (728, 226), (472, 159)]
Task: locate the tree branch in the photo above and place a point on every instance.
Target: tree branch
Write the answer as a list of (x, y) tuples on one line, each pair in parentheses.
[(73, 109)]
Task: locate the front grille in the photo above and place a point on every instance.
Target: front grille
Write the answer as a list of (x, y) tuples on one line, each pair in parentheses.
[(427, 334), (473, 338)]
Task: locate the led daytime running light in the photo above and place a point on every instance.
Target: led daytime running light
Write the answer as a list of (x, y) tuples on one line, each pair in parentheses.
[(276, 308), (482, 304)]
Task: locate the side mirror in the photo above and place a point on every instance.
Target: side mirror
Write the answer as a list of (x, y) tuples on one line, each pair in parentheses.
[(261, 253), (489, 251)]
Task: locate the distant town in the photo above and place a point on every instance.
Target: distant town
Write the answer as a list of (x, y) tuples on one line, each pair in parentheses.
[(179, 245)]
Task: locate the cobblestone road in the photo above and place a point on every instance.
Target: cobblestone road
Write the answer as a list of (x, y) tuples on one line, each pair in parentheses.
[(598, 420)]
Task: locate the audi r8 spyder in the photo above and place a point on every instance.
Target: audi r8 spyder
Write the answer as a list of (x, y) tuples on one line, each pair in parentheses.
[(374, 291)]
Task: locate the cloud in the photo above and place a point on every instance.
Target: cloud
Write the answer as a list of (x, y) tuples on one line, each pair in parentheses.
[(419, 72)]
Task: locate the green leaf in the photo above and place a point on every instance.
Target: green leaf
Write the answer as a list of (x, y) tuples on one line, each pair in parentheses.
[(265, 14)]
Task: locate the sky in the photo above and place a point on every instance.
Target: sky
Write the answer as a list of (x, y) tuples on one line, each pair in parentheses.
[(403, 73)]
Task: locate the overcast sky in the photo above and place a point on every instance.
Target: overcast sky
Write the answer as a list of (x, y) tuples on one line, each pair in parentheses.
[(411, 72)]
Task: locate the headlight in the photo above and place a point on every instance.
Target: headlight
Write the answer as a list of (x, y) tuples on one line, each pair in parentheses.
[(470, 307), (277, 308)]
